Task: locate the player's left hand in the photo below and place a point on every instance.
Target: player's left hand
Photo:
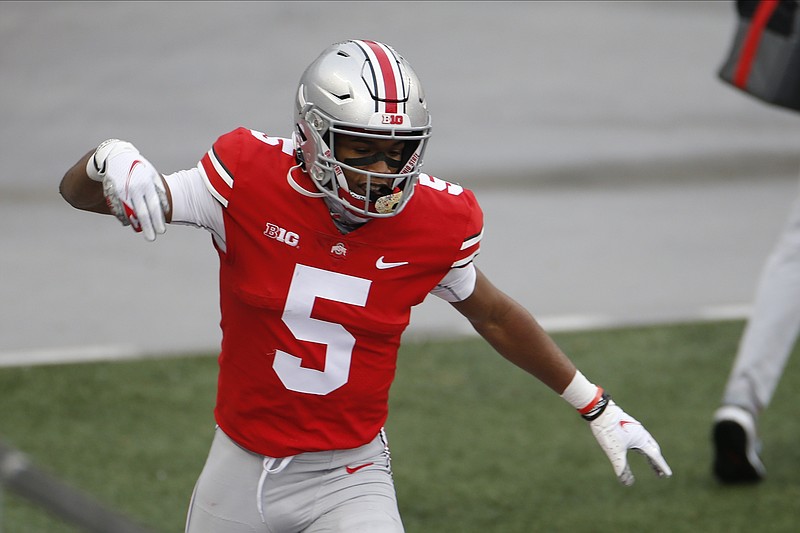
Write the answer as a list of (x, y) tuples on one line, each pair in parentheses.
[(617, 432)]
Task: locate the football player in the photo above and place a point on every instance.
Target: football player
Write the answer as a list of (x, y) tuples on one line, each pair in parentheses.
[(326, 240)]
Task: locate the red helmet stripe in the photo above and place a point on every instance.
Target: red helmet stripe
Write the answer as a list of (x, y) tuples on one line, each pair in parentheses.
[(386, 75)]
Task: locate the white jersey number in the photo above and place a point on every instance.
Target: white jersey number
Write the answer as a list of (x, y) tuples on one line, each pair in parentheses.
[(440, 185), (308, 284)]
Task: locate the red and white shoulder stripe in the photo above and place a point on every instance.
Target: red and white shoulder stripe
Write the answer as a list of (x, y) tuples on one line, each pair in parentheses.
[(218, 179), (219, 165), (388, 78), (470, 248)]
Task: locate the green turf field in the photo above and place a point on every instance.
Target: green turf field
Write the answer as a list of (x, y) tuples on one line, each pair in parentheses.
[(477, 445)]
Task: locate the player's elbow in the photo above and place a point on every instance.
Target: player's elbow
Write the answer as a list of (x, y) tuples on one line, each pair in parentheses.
[(67, 192), (81, 192)]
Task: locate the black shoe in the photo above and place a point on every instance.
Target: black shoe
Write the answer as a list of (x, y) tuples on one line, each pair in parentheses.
[(736, 458)]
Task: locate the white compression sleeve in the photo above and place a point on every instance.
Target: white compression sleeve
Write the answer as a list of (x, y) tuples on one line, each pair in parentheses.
[(193, 204), (457, 284)]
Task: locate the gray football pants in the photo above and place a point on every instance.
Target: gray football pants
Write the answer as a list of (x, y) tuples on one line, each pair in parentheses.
[(771, 331), (337, 491)]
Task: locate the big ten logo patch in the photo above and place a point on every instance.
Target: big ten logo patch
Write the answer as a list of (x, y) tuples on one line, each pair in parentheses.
[(392, 119), (278, 233)]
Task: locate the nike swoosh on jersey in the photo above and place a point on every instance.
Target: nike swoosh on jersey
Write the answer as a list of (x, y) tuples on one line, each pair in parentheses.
[(383, 265)]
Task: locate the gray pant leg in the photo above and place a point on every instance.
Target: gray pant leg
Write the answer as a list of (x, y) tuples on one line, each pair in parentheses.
[(224, 497), (364, 502), (771, 331), (357, 493)]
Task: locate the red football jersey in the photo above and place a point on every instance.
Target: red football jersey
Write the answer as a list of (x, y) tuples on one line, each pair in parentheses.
[(312, 318)]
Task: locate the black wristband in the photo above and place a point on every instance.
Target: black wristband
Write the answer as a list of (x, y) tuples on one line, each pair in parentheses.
[(598, 408)]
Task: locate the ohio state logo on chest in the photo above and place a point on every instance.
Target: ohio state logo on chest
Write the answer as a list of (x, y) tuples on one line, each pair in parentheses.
[(273, 231)]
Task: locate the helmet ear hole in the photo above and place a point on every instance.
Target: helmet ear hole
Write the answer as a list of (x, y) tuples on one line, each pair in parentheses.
[(316, 121)]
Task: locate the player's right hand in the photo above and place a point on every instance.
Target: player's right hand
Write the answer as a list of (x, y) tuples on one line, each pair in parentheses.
[(133, 188)]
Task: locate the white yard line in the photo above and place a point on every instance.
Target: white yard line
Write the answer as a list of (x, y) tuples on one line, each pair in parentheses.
[(74, 354), (580, 322)]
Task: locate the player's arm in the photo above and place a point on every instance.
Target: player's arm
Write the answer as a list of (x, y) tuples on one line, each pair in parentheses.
[(517, 336), (116, 179)]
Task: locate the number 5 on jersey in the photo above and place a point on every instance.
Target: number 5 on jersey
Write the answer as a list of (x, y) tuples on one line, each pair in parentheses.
[(308, 284)]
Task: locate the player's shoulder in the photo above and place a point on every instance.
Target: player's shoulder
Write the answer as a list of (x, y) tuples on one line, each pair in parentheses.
[(444, 196), (455, 213), (447, 204), (242, 159), (248, 140)]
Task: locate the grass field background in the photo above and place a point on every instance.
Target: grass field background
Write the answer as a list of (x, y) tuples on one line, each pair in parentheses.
[(477, 445)]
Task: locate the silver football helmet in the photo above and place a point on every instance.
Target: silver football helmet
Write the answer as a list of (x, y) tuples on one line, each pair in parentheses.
[(365, 89)]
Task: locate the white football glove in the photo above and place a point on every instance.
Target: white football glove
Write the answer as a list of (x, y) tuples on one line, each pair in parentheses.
[(133, 188), (617, 432)]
